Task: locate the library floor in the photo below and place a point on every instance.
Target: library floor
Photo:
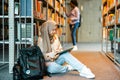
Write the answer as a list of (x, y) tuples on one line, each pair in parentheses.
[(90, 55)]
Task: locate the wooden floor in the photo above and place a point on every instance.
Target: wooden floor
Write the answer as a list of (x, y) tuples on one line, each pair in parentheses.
[(100, 65)]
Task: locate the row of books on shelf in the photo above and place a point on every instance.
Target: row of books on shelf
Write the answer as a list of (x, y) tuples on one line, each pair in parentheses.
[(4, 29), (40, 11), (4, 32), (4, 7), (118, 16), (49, 14), (23, 8), (58, 7), (104, 9), (109, 5), (58, 19), (110, 2), (110, 19), (23, 31), (112, 35), (51, 2), (62, 1), (38, 6)]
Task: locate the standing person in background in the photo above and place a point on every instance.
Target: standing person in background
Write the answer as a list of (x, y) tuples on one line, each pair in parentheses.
[(50, 46), (73, 20)]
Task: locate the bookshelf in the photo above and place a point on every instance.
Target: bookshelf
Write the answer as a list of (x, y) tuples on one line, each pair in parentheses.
[(20, 22), (111, 29), (4, 31)]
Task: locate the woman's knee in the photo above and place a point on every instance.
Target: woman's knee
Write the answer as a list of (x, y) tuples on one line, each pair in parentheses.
[(51, 67), (56, 68)]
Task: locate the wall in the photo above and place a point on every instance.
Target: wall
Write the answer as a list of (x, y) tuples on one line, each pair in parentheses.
[(90, 30)]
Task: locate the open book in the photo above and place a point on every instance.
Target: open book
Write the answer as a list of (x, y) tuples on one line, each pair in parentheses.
[(55, 56), (66, 50)]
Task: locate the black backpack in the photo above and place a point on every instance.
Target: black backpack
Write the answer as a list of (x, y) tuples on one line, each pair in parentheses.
[(80, 21), (30, 65)]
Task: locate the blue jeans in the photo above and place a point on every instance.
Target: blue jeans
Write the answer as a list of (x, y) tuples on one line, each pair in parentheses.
[(73, 32), (57, 66)]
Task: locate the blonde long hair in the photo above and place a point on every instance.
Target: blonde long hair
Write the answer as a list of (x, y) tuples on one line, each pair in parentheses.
[(46, 28)]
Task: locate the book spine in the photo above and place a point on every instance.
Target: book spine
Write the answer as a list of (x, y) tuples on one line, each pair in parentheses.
[(25, 7)]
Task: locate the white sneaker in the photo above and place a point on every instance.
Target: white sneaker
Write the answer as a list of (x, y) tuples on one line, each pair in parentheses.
[(70, 68), (74, 48), (86, 72)]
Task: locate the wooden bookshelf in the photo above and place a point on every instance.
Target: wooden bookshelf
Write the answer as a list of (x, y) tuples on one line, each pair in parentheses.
[(26, 15), (111, 27)]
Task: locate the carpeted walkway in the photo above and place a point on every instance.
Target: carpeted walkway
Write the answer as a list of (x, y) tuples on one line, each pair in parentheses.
[(100, 65)]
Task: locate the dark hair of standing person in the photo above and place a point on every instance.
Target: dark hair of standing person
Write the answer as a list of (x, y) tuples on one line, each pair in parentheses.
[(74, 2)]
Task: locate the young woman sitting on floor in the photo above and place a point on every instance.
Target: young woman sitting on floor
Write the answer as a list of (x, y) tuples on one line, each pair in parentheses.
[(49, 44)]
